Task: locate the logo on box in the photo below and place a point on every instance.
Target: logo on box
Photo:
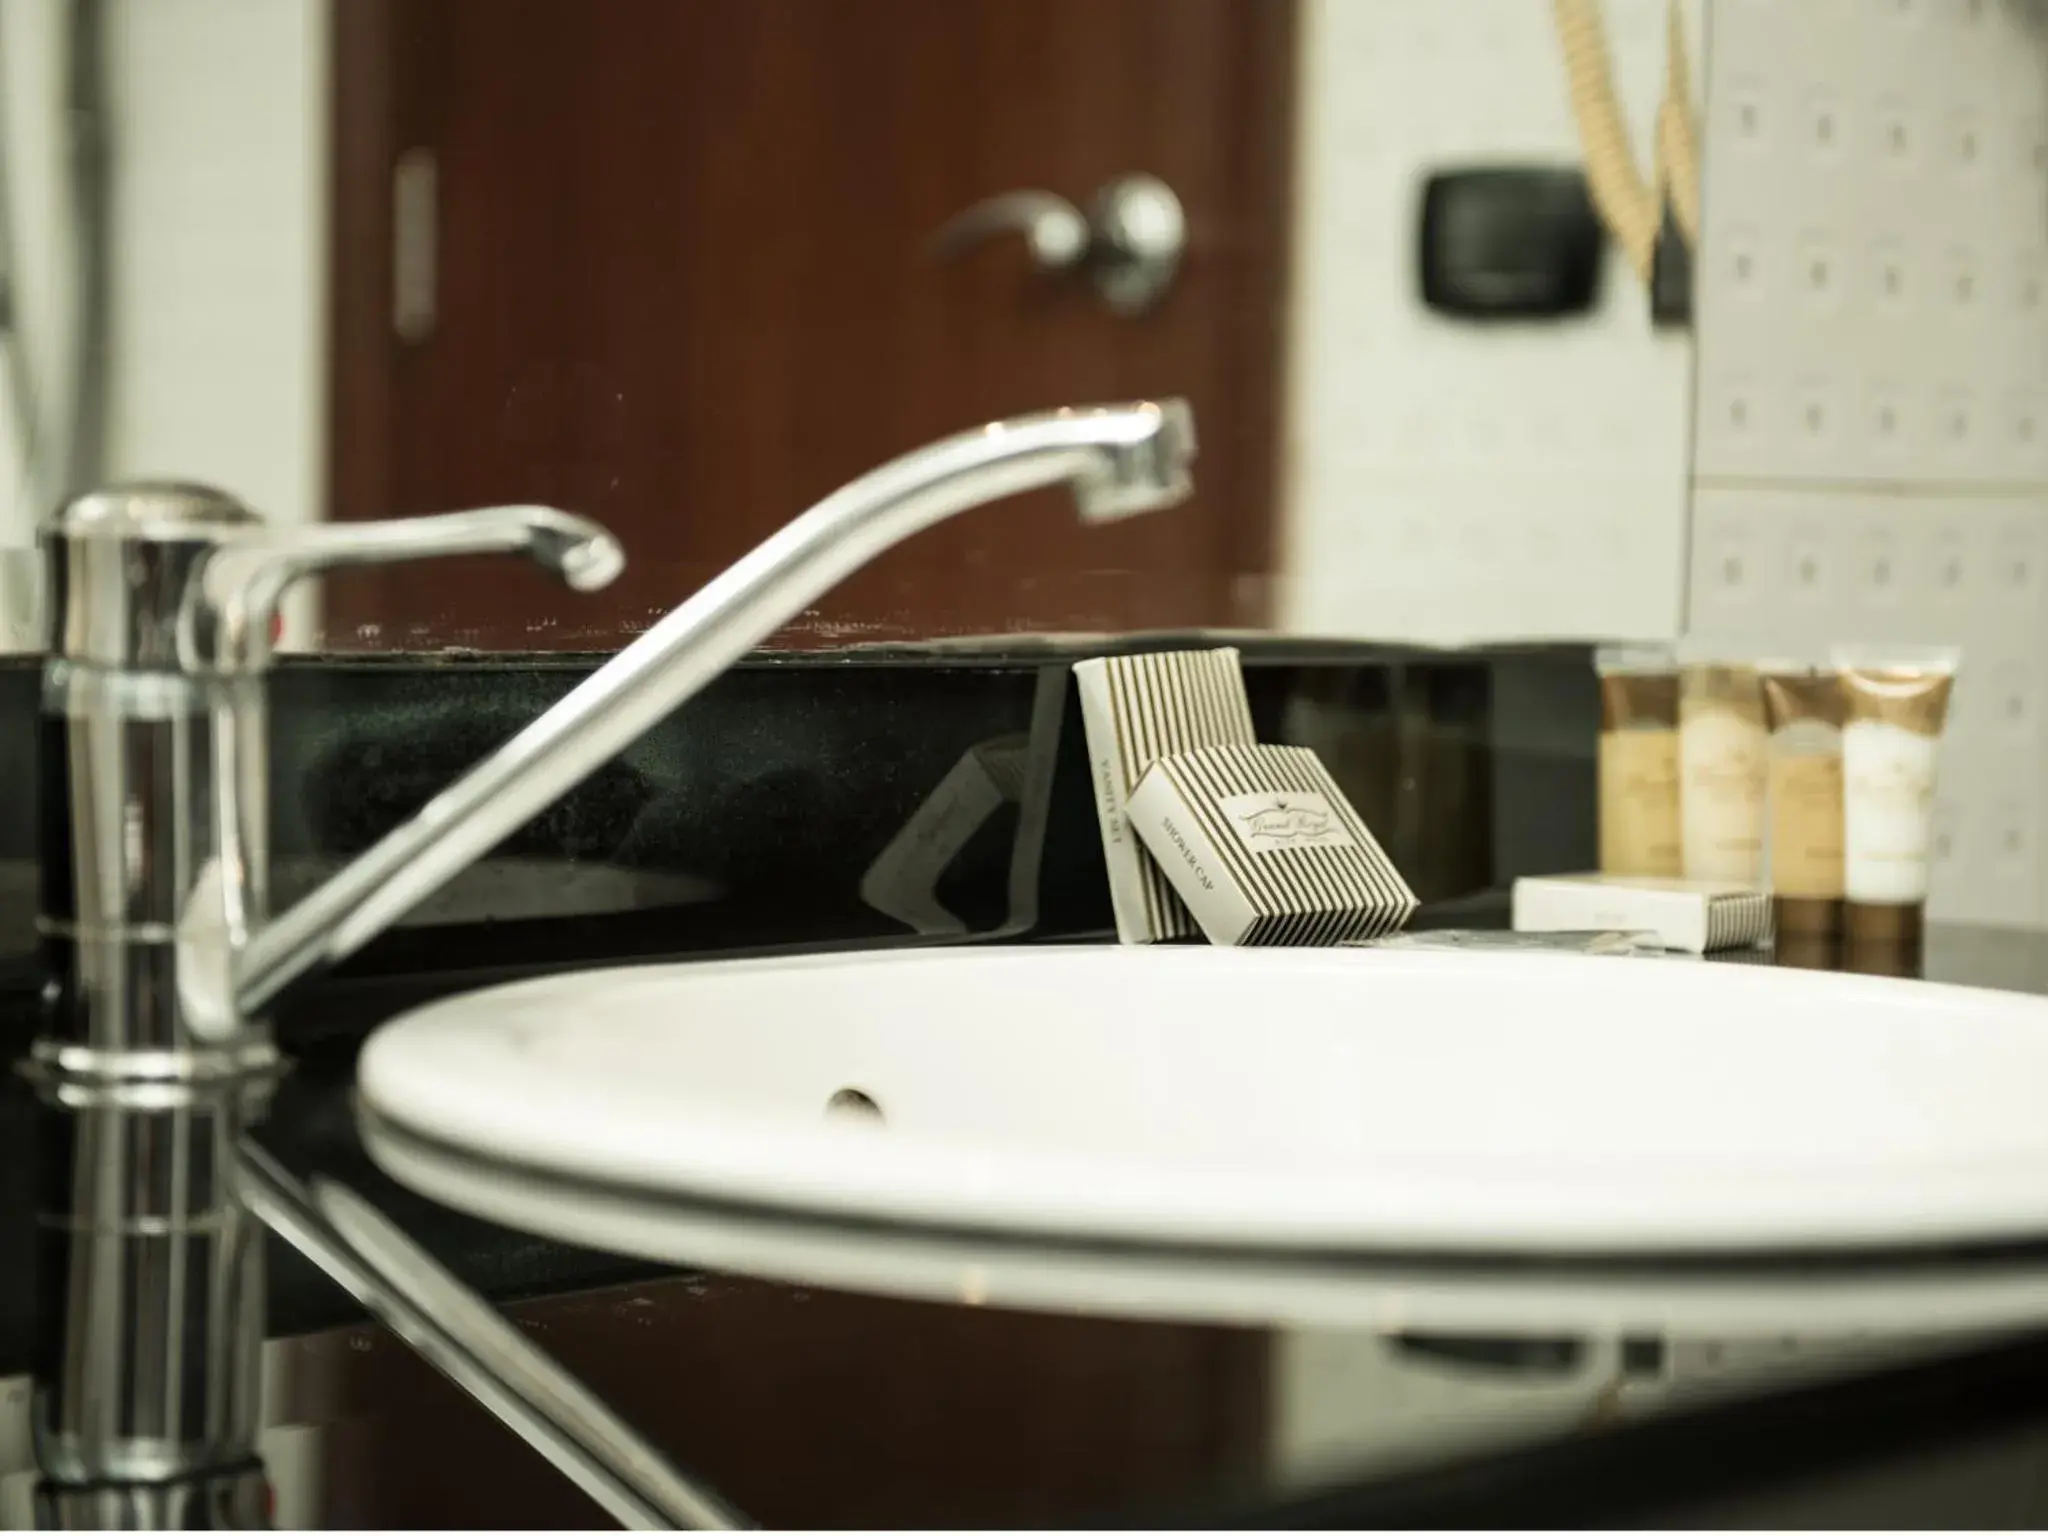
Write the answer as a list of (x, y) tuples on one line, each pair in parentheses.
[(1271, 821)]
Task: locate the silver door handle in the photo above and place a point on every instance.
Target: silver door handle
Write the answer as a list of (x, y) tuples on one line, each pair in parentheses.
[(1130, 242)]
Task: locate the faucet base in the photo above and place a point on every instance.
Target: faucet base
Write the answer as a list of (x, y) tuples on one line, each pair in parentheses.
[(233, 1500)]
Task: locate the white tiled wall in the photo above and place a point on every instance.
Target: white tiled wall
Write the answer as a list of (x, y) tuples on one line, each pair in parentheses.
[(221, 218), (1872, 438), (219, 244), (1871, 409), (1449, 480)]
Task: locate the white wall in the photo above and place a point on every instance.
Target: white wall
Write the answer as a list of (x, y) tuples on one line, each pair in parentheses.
[(221, 225), (1448, 480), (1873, 378), (219, 133), (29, 105)]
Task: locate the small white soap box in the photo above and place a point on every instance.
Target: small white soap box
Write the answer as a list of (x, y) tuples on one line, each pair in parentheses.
[(1697, 916)]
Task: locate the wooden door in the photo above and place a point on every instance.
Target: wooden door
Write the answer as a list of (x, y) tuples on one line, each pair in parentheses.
[(681, 281)]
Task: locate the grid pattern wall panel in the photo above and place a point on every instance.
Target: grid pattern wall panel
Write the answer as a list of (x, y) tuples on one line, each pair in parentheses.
[(1871, 443)]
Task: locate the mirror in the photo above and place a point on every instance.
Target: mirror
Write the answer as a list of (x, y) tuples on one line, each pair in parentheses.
[(1421, 265)]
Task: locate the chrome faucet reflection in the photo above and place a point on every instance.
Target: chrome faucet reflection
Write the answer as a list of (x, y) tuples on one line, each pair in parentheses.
[(155, 1058)]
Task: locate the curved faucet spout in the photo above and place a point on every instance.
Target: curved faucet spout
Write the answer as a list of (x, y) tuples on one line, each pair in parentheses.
[(1118, 460)]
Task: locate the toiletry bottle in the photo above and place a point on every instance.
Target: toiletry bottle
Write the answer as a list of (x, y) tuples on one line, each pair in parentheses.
[(1897, 705), (1721, 752), (1804, 708), (1639, 824)]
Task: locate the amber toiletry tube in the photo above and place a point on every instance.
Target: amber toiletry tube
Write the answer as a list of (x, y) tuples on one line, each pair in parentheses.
[(1804, 708), (1722, 747), (1638, 761), (1897, 706), (1809, 951)]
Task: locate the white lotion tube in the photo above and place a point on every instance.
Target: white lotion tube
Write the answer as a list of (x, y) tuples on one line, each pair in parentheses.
[(1897, 705)]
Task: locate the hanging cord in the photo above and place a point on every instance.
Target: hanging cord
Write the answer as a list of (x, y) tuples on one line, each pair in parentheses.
[(1632, 208), (1678, 143), (1626, 203)]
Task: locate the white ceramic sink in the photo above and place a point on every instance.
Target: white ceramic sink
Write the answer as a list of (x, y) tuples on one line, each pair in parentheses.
[(1361, 1129)]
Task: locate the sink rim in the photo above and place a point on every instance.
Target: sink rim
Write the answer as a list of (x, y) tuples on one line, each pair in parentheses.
[(1960, 1294), (783, 1165)]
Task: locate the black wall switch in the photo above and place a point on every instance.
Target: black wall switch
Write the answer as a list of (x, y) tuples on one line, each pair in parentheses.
[(1510, 243)]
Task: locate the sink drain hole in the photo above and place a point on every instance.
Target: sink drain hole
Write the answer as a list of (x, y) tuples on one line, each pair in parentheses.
[(852, 1104)]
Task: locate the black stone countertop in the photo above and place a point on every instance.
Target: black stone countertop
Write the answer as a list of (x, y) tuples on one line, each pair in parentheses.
[(1474, 769), (754, 820), (759, 819)]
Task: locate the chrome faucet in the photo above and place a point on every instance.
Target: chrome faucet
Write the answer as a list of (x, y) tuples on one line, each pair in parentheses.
[(155, 1058)]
